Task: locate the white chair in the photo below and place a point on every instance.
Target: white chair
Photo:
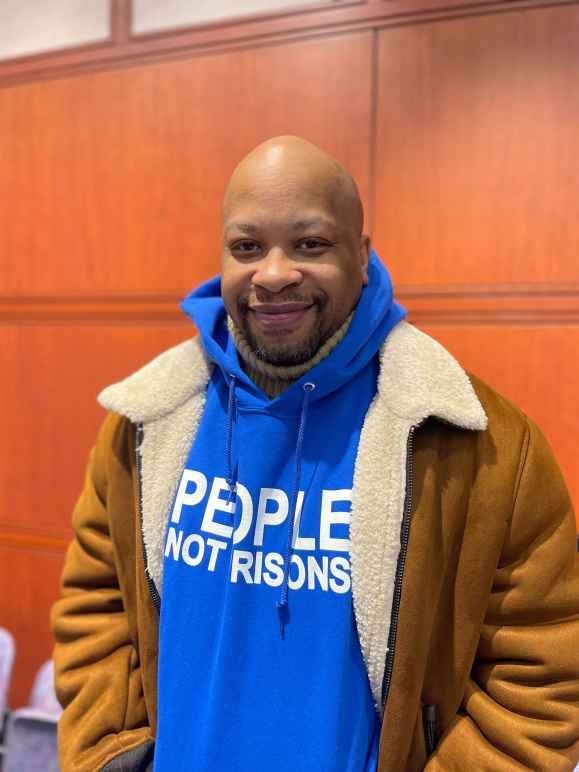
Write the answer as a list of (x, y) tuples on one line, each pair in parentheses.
[(30, 736), (6, 665)]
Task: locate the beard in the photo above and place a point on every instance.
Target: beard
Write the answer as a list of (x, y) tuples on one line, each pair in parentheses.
[(277, 352)]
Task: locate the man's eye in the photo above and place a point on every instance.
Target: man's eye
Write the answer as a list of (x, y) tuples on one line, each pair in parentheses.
[(312, 245), (245, 247)]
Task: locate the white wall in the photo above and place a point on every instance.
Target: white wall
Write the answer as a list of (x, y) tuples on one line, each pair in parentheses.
[(36, 26), (153, 15)]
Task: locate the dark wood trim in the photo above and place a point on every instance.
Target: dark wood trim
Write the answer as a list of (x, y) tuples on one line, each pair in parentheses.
[(322, 22), (469, 317), (431, 319), (507, 303), (49, 61), (155, 309), (121, 20), (25, 540), (493, 291)]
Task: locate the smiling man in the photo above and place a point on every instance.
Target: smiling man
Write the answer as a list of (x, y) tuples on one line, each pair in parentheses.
[(309, 540)]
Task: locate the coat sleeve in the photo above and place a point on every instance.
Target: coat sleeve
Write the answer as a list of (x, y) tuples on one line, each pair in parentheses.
[(97, 676), (520, 709)]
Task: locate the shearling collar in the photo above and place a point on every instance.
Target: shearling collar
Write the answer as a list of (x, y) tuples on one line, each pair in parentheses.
[(162, 385), (418, 378)]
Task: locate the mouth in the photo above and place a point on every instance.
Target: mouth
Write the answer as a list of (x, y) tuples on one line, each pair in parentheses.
[(275, 317)]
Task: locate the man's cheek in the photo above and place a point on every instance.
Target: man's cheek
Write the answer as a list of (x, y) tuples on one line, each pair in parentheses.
[(229, 293)]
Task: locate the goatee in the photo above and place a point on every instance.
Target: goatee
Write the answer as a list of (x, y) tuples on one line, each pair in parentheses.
[(285, 355), (281, 354)]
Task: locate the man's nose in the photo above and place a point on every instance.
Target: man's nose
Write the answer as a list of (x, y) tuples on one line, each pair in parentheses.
[(276, 271)]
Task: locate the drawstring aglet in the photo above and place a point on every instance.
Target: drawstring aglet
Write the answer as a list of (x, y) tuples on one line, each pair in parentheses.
[(232, 492), (283, 613), (231, 411)]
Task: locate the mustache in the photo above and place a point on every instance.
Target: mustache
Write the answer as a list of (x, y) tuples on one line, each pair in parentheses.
[(243, 301)]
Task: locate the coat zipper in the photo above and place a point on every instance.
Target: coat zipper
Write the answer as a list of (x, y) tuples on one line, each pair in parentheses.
[(404, 536), (154, 593)]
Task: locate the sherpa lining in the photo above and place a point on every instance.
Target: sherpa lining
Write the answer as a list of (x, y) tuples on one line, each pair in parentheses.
[(418, 378), (167, 396), (162, 385)]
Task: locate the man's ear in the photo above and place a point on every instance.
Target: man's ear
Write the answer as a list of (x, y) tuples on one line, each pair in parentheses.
[(364, 257)]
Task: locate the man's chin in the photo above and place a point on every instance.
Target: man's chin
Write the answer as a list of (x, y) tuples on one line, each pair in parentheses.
[(284, 356), (284, 350)]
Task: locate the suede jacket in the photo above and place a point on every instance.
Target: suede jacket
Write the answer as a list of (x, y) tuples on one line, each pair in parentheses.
[(465, 580)]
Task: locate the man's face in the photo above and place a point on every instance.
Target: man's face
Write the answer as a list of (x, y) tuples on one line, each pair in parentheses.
[(292, 269)]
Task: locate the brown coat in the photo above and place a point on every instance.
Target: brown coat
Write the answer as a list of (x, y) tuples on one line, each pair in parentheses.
[(485, 626)]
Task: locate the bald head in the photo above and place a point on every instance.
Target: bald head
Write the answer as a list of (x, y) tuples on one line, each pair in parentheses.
[(297, 167), (294, 258)]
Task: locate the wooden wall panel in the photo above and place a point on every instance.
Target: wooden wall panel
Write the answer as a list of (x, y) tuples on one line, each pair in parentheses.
[(30, 580), (50, 379), (533, 365), (111, 182), (477, 162), (477, 175), (48, 390)]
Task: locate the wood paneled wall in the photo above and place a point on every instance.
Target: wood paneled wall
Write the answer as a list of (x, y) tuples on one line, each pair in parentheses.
[(462, 135), (477, 169)]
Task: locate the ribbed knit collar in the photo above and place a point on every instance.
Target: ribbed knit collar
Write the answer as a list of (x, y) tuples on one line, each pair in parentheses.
[(273, 380)]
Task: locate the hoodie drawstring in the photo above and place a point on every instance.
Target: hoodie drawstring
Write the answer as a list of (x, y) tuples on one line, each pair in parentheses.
[(231, 415), (282, 604)]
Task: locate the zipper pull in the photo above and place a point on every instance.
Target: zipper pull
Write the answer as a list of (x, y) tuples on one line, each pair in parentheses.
[(430, 724)]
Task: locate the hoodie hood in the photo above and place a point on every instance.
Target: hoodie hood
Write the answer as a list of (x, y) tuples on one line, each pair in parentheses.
[(375, 315)]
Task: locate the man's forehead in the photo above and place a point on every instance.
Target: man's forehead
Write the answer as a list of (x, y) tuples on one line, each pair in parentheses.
[(288, 172), (253, 224), (284, 191)]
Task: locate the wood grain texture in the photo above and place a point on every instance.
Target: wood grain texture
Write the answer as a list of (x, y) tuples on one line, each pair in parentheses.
[(30, 581), (477, 151), (112, 182), (49, 384), (536, 368)]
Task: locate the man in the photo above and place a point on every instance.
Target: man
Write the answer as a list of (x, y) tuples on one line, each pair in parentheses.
[(308, 540)]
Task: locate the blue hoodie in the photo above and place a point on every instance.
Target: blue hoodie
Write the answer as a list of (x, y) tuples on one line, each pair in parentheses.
[(260, 665)]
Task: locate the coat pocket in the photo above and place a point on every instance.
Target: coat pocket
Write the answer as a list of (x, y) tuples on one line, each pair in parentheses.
[(139, 759), (430, 725)]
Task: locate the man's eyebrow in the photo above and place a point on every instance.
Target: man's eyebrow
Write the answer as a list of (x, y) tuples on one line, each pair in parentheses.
[(315, 222), (297, 225), (243, 227)]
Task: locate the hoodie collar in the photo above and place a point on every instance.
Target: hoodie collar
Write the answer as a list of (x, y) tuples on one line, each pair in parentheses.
[(374, 316)]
